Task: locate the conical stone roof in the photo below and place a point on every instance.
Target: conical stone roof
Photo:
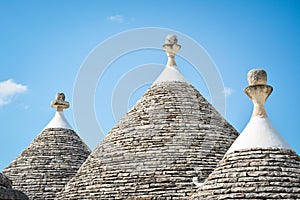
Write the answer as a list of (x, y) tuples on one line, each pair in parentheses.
[(171, 135), (7, 192), (50, 161), (260, 164)]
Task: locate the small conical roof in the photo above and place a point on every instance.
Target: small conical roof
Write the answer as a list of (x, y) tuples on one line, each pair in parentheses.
[(260, 164), (7, 192), (50, 161), (171, 135)]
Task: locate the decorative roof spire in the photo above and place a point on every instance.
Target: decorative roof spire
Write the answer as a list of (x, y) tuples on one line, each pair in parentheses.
[(171, 72), (59, 120), (258, 91), (171, 48), (60, 102), (259, 132)]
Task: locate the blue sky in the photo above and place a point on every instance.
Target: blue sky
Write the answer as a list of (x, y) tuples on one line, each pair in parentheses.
[(44, 44)]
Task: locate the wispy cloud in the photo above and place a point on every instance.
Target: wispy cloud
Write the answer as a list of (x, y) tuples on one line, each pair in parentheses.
[(116, 18), (8, 89), (227, 91)]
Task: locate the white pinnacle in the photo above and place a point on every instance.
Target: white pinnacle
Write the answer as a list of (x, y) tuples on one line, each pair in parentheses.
[(59, 120), (171, 71), (259, 132)]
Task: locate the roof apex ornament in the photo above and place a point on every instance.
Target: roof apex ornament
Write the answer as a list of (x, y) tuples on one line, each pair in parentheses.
[(60, 102), (259, 132), (171, 48), (258, 91)]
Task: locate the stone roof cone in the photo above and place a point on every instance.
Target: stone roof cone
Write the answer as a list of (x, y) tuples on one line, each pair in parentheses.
[(50, 161), (171, 135), (260, 164)]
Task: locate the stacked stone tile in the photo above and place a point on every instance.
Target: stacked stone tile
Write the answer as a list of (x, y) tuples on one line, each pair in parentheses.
[(258, 173), (260, 164), (51, 160), (171, 135), (7, 192)]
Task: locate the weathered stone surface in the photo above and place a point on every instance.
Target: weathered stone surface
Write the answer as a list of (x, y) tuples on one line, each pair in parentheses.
[(170, 136), (48, 163), (4, 181), (6, 191), (12, 194), (259, 173), (257, 77)]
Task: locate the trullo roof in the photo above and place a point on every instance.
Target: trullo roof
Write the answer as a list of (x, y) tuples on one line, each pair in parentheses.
[(260, 164), (171, 135), (50, 161)]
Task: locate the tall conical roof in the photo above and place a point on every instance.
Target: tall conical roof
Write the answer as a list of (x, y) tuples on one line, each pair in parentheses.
[(7, 192), (51, 160), (260, 164), (171, 135)]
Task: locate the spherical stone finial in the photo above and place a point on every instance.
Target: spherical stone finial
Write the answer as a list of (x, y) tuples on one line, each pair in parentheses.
[(257, 77), (171, 39), (60, 102), (60, 97), (258, 91), (171, 48)]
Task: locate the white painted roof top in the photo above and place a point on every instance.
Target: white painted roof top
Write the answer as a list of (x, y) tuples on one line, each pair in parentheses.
[(170, 73), (259, 132), (59, 121)]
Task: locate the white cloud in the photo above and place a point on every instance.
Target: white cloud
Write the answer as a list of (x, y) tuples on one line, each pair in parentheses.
[(227, 91), (116, 18), (8, 89)]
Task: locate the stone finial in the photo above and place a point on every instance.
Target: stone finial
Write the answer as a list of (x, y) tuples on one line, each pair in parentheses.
[(171, 48), (171, 39), (258, 91), (257, 77), (60, 102)]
